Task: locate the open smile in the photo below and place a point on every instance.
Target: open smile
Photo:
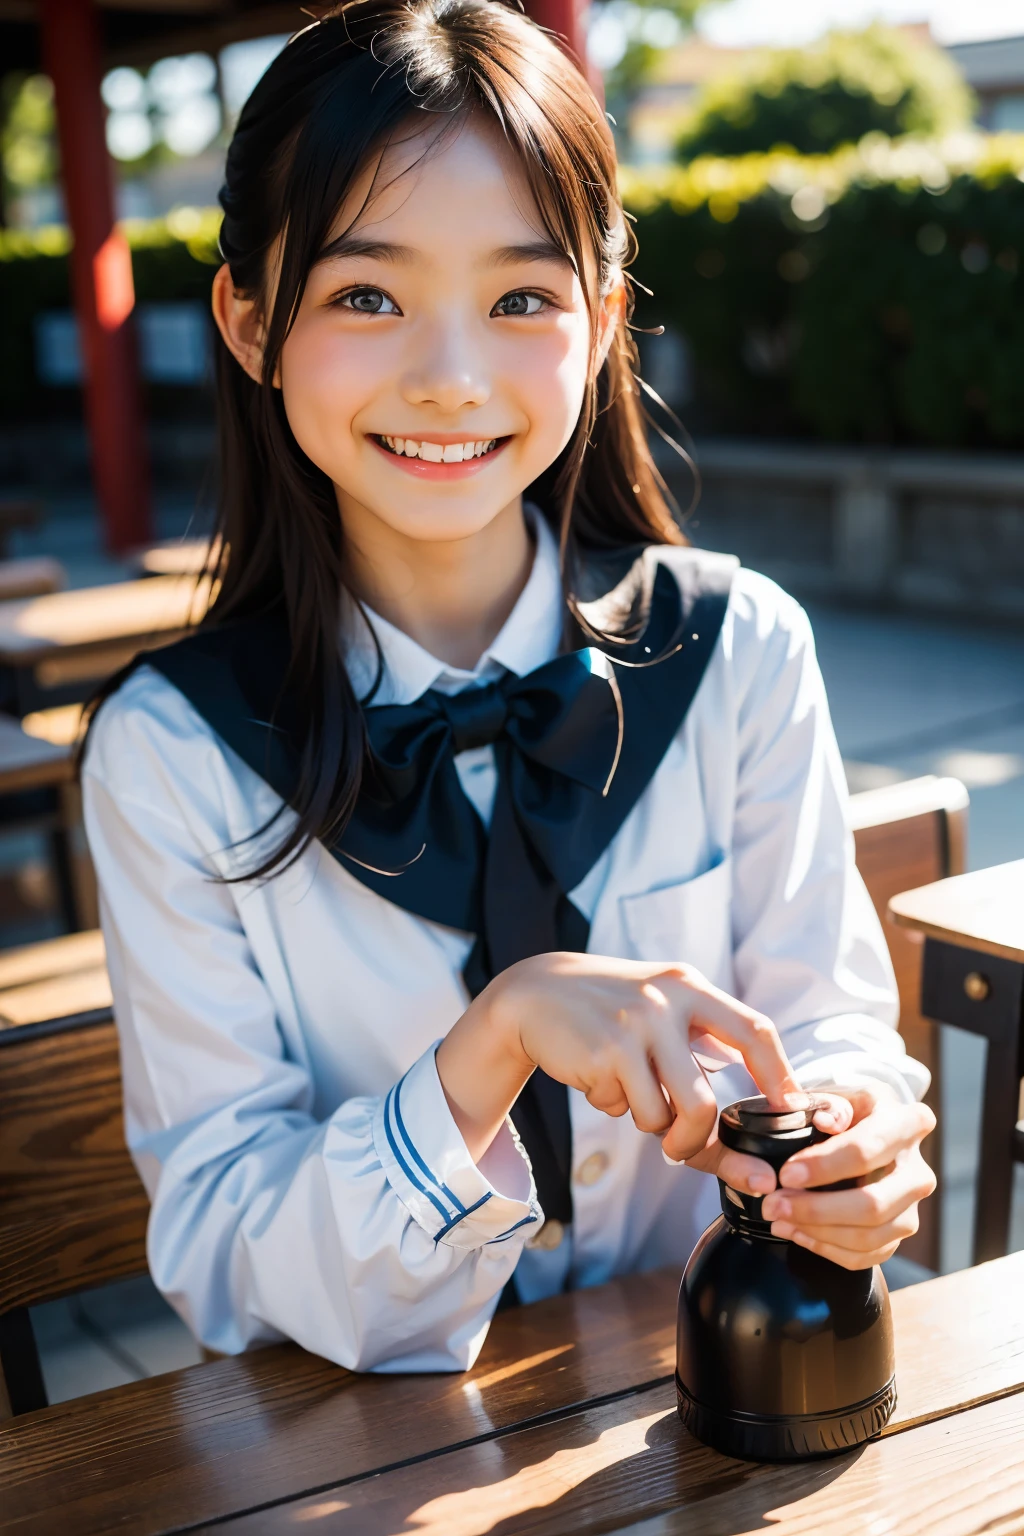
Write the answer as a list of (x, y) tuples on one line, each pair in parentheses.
[(434, 460)]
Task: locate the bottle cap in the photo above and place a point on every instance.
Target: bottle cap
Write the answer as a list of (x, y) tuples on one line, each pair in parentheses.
[(764, 1130)]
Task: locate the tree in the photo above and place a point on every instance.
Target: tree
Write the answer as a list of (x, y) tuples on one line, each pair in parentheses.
[(834, 92)]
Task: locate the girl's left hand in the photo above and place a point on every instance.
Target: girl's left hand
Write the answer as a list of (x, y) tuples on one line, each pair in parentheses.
[(877, 1139)]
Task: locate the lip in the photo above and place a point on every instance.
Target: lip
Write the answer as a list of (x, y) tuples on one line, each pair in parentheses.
[(426, 471)]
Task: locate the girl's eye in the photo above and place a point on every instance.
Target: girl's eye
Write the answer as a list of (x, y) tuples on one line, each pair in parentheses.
[(367, 301), (521, 303)]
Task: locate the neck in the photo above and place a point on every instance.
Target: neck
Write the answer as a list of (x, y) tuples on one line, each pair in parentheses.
[(450, 596)]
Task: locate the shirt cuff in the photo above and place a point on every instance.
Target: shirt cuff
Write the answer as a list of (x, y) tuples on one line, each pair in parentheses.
[(429, 1167)]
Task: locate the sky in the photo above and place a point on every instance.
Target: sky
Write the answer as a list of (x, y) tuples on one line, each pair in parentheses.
[(741, 23)]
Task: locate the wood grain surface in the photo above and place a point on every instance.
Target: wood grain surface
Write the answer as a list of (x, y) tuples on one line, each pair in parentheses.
[(983, 910), (185, 1449), (605, 1471), (72, 1210)]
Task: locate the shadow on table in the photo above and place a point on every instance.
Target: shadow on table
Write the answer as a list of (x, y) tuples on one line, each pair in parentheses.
[(617, 1468)]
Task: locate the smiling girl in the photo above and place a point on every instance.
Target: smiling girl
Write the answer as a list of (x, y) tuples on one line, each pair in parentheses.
[(479, 803)]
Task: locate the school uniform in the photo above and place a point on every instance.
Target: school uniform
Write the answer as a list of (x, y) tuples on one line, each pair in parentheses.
[(278, 1036)]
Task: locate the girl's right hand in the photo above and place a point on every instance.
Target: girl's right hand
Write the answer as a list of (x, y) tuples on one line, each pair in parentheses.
[(619, 1031)]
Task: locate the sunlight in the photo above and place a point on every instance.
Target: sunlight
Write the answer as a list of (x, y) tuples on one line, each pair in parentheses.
[(515, 1369), (475, 1511)]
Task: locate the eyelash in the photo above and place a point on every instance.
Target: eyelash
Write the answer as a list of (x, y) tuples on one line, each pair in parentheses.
[(547, 300)]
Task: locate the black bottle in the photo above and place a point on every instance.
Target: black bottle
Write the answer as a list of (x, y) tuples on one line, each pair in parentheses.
[(781, 1354)]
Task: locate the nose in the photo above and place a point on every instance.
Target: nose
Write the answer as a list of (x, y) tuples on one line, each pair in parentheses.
[(448, 370)]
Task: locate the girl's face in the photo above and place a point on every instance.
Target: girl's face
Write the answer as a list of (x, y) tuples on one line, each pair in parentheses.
[(439, 357)]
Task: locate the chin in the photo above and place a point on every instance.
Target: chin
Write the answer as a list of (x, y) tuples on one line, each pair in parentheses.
[(440, 525)]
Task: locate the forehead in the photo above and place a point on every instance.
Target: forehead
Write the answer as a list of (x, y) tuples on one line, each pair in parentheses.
[(443, 182)]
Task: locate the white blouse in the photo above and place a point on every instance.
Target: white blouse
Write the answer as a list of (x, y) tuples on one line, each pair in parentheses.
[(282, 1102)]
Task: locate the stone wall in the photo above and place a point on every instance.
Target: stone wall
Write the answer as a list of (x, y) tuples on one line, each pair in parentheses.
[(908, 529)]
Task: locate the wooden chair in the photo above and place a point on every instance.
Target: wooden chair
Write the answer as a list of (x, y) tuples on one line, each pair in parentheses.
[(906, 835), (72, 1209)]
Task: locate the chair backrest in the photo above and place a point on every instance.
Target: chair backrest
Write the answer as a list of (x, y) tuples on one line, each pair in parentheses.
[(72, 1209), (906, 835)]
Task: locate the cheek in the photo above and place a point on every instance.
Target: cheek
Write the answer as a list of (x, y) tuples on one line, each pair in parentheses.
[(551, 373), (325, 379)]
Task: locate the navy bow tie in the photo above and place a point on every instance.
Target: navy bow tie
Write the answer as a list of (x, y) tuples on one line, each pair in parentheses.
[(557, 736), (575, 744)]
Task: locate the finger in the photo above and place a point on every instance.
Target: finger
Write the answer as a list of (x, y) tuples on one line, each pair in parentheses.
[(846, 1258), (748, 1175), (690, 1093), (833, 1112), (608, 1097), (870, 1205), (870, 1144), (753, 1035), (853, 1239), (648, 1105)]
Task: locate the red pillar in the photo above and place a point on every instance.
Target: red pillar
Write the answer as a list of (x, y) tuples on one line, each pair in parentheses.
[(567, 19), (101, 273)]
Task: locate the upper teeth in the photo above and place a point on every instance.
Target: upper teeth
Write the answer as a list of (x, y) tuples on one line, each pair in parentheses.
[(435, 453)]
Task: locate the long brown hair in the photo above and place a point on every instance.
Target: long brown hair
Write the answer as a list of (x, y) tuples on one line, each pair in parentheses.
[(331, 100)]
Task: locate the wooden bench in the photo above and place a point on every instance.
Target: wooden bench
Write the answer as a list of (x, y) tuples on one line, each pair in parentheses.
[(55, 649), (72, 1210), (39, 792), (178, 557), (31, 578)]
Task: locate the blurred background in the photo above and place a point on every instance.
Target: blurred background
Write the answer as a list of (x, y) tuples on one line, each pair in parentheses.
[(828, 197)]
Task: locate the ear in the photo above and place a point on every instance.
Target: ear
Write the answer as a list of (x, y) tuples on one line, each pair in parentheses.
[(610, 316), (240, 324)]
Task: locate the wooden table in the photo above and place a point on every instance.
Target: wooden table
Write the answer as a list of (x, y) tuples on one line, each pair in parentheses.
[(66, 641), (972, 977), (566, 1424)]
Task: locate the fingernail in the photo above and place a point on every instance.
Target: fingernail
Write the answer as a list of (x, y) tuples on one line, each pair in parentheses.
[(781, 1229), (796, 1100), (794, 1174), (774, 1207), (762, 1183)]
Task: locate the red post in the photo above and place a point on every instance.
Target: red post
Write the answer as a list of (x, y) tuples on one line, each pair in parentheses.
[(567, 19), (101, 273)]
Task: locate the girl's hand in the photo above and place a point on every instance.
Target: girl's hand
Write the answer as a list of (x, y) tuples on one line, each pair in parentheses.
[(618, 1030), (882, 1146)]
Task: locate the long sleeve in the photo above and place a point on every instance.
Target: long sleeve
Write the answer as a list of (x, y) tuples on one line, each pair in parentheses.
[(808, 949), (367, 1233)]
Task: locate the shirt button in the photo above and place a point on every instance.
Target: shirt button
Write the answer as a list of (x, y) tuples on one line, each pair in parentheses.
[(592, 1168), (549, 1237)]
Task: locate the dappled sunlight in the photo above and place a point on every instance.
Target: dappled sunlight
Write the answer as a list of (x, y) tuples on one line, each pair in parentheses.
[(515, 1368), (475, 1511)]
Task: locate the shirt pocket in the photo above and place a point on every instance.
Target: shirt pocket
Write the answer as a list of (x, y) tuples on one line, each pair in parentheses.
[(690, 921)]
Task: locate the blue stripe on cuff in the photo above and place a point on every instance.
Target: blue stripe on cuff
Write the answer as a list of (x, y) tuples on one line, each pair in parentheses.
[(421, 1165), (456, 1219), (503, 1235), (410, 1175)]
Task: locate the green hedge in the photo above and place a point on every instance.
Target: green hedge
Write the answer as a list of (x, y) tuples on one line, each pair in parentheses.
[(871, 295), (172, 258)]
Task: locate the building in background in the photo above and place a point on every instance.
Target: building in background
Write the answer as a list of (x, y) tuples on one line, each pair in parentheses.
[(995, 72)]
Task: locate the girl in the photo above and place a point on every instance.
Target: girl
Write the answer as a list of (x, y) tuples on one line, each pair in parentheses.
[(470, 749)]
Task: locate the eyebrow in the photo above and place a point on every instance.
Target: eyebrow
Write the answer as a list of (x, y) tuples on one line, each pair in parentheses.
[(351, 246)]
